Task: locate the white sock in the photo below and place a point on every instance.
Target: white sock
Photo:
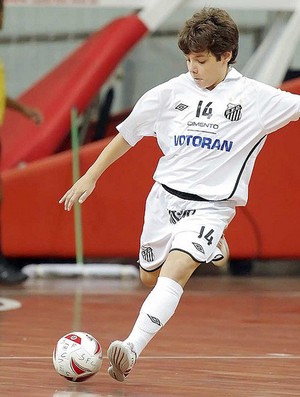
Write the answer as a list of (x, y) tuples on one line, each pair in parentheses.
[(156, 310)]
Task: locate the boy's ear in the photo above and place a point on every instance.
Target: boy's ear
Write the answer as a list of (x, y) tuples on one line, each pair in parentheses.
[(226, 56)]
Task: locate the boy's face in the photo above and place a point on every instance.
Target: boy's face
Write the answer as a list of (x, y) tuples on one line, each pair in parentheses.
[(206, 70)]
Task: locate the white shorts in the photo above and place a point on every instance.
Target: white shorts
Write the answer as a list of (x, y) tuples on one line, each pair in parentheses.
[(171, 223)]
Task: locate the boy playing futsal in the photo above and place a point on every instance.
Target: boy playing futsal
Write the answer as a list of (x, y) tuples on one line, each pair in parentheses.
[(210, 124)]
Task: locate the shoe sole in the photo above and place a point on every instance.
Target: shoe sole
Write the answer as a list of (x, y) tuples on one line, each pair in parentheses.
[(119, 363)]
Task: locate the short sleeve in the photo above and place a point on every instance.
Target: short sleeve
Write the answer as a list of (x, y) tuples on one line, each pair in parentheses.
[(143, 118), (276, 107)]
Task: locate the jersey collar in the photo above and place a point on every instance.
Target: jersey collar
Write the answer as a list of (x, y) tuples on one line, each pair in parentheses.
[(232, 74)]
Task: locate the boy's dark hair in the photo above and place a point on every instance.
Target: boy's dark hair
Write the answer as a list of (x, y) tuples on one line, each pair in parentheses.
[(211, 29), (1, 5)]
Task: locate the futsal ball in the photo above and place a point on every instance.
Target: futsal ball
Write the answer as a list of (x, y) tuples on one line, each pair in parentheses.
[(77, 356)]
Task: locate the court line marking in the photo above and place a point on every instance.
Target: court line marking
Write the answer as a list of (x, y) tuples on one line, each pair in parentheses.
[(9, 304), (272, 356)]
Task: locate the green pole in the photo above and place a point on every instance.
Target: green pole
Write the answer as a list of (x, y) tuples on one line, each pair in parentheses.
[(76, 175)]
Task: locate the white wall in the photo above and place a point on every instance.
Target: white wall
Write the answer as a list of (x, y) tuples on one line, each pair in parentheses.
[(151, 62)]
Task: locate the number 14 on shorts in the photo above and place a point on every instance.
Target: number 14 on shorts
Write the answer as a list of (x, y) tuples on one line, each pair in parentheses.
[(207, 235)]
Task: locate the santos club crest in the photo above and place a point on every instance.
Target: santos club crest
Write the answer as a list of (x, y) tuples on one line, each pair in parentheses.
[(147, 253), (233, 112)]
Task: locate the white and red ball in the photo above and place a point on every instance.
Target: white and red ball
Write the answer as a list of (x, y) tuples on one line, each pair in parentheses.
[(77, 356)]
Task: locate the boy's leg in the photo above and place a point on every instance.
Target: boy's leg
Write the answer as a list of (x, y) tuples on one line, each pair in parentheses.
[(223, 247), (156, 310), (183, 246), (149, 279)]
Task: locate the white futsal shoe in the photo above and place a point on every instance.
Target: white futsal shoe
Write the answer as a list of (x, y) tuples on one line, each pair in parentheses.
[(122, 358), (223, 247)]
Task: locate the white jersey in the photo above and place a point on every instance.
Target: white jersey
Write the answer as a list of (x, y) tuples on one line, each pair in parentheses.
[(209, 139)]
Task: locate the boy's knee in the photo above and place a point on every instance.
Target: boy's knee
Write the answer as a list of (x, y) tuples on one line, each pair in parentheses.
[(148, 278)]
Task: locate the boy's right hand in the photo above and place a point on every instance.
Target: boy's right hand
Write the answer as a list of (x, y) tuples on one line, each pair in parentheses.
[(80, 191)]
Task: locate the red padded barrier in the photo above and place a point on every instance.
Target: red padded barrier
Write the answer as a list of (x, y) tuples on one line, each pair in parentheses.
[(72, 83), (35, 225)]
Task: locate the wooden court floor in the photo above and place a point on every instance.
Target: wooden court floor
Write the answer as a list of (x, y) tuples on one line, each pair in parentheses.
[(230, 337)]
